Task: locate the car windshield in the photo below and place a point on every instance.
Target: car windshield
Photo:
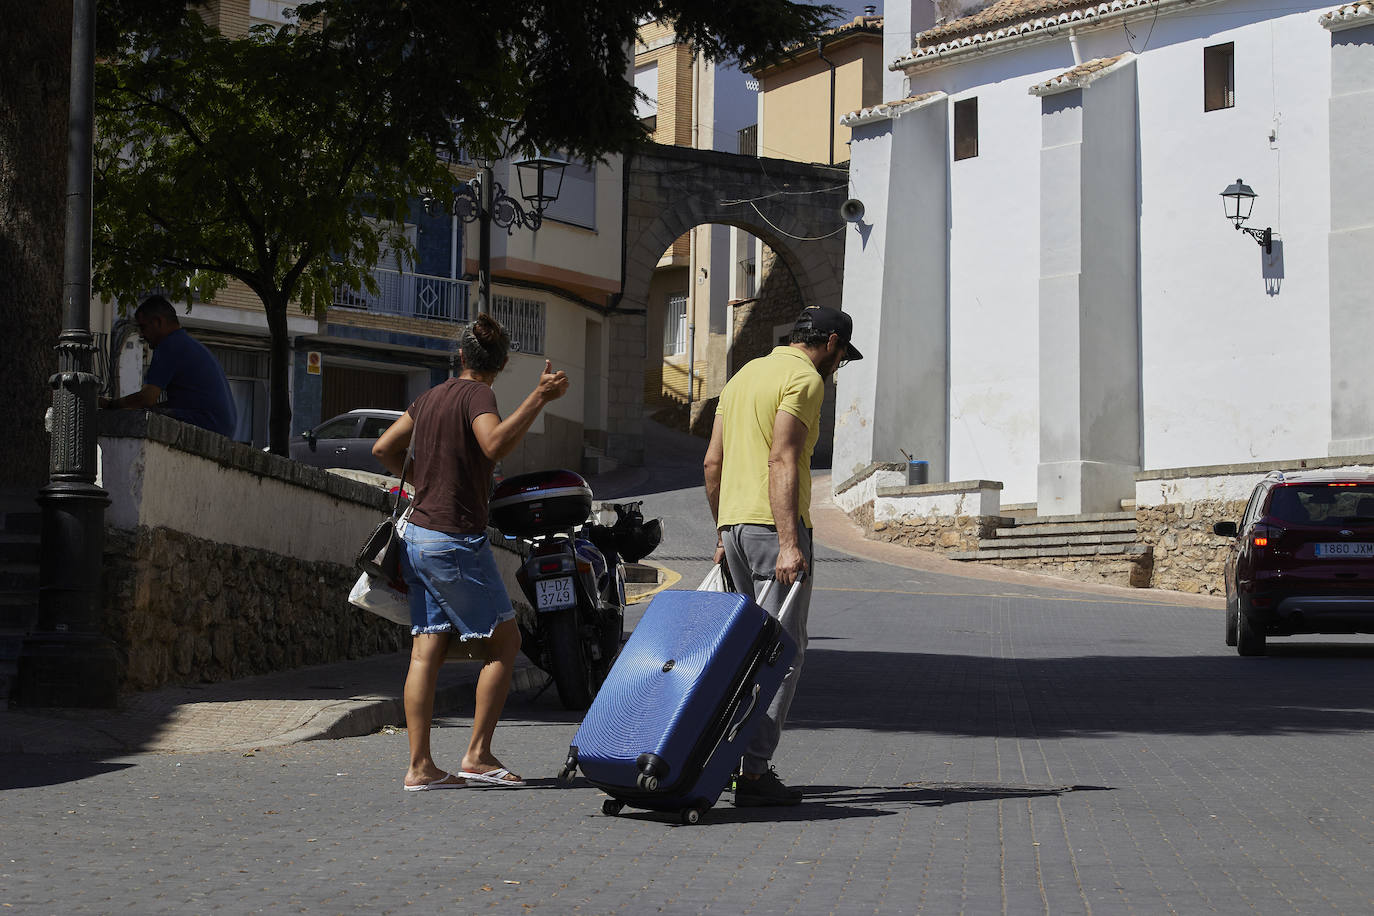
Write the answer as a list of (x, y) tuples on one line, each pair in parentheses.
[(1323, 504)]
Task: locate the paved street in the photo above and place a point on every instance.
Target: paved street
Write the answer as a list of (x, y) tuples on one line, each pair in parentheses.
[(966, 746)]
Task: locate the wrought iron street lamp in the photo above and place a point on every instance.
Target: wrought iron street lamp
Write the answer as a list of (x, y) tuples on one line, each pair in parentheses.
[(67, 660), (484, 200), (1239, 200)]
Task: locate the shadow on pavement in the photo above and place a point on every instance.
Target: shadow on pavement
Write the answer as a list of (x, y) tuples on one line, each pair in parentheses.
[(28, 771), (934, 794), (1301, 689)]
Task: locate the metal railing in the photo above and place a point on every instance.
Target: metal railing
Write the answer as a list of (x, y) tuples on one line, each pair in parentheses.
[(523, 319), (409, 294), (749, 140)]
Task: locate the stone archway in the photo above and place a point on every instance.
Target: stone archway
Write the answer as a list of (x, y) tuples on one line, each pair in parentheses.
[(670, 190)]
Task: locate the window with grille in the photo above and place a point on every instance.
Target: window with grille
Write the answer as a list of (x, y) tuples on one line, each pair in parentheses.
[(675, 326), (523, 319), (966, 128), (1219, 77)]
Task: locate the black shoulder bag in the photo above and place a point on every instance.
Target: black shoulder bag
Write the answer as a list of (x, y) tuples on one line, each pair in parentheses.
[(381, 555)]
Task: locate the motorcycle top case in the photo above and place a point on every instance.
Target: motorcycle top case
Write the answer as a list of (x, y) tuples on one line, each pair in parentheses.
[(683, 700)]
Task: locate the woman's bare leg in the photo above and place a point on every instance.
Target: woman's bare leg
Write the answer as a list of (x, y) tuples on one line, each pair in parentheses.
[(426, 658), (493, 686)]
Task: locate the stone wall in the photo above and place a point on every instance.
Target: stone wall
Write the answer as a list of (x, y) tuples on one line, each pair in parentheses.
[(1176, 508), (1133, 572), (1188, 557), (184, 609), (223, 561), (937, 532)]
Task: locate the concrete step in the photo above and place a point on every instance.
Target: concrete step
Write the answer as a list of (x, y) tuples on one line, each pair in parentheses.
[(20, 548), (1055, 529), (1077, 519), (1070, 540), (1018, 553), (18, 577), (10, 645), (18, 611)]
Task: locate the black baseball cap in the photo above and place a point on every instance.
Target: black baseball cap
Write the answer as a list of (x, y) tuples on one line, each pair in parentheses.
[(831, 321)]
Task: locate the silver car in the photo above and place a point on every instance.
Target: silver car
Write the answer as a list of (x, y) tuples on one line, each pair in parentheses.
[(345, 441)]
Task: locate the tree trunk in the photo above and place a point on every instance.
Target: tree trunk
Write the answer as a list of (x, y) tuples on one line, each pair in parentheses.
[(279, 378), (34, 76)]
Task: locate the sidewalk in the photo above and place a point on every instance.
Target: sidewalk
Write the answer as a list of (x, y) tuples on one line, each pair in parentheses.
[(347, 699), (338, 700)]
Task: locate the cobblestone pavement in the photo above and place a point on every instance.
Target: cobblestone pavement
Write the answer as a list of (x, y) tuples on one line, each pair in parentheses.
[(965, 747)]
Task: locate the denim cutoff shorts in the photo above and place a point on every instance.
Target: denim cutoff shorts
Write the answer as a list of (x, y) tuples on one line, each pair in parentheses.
[(454, 584)]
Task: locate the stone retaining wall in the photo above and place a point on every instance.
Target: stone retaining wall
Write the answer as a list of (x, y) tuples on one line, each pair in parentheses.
[(223, 561), (1176, 508), (937, 532), (184, 609)]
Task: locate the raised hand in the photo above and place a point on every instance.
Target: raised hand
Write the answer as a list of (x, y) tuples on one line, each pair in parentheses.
[(552, 385)]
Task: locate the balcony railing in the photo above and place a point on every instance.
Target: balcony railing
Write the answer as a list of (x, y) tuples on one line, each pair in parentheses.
[(410, 295), (749, 140)]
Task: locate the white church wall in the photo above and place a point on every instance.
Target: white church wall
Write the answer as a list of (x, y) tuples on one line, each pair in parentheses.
[(1232, 370)]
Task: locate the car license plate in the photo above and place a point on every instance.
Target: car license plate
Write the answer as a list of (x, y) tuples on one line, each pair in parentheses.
[(554, 594), (1343, 549)]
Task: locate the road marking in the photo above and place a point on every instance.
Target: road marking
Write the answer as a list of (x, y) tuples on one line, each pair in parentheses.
[(1093, 600), (670, 578)]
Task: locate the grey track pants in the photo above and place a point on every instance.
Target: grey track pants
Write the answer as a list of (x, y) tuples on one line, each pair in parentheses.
[(751, 555)]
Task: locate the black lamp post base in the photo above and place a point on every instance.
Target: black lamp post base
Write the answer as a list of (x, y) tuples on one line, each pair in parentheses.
[(58, 670)]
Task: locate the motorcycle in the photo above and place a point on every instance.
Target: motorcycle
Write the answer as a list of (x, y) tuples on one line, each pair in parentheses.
[(572, 576)]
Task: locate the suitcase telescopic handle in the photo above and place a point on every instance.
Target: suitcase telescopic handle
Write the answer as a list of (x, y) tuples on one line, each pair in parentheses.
[(786, 602)]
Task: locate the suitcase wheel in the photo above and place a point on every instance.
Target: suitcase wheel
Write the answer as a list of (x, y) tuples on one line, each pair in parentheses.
[(611, 807), (691, 816), (565, 777)]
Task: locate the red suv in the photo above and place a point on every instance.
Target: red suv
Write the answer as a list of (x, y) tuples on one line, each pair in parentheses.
[(1302, 560)]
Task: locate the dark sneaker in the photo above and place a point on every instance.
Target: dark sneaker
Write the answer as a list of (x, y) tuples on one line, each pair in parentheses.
[(766, 791)]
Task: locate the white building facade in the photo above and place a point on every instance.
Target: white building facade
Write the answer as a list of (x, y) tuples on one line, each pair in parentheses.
[(1045, 284)]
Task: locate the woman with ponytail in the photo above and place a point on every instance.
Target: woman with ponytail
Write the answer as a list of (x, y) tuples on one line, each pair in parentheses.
[(456, 591)]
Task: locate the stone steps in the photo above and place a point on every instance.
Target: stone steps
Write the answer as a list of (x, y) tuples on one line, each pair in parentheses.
[(21, 546), (1073, 550), (1108, 535)]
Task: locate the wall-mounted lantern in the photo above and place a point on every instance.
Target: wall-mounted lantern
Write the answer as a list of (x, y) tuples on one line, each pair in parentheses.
[(1239, 200)]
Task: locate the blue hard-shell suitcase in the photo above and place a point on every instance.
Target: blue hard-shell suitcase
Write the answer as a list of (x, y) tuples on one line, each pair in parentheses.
[(686, 694)]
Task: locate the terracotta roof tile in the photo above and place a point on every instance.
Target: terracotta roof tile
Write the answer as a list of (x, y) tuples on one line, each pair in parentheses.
[(1348, 16), (998, 13), (1005, 20), (1079, 76), (885, 110)]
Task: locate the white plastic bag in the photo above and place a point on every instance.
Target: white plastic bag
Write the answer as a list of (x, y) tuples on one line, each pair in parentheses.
[(377, 597), (715, 580)]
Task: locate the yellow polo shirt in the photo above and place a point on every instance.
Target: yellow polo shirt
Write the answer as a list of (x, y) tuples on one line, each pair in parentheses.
[(786, 380)]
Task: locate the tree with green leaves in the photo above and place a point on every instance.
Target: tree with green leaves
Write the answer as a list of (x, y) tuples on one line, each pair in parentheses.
[(286, 159)]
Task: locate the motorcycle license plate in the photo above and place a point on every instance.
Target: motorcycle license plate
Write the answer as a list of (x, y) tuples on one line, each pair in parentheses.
[(1343, 549), (555, 594)]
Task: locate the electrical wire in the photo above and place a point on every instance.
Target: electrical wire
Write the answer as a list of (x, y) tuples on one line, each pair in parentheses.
[(795, 238)]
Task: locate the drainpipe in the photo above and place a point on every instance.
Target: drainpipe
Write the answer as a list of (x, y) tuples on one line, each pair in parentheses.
[(820, 52), (1073, 46)]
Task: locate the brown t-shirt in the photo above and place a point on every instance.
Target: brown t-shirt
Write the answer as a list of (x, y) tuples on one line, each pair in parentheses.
[(452, 475)]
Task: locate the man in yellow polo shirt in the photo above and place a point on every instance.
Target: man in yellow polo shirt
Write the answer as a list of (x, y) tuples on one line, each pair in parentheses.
[(758, 483)]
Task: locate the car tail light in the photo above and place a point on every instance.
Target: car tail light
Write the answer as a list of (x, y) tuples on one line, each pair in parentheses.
[(1265, 535)]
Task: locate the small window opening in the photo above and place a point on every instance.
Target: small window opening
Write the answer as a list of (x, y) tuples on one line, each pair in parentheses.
[(966, 128), (1219, 77)]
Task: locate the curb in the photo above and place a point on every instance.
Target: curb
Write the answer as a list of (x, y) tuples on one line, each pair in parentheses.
[(363, 717)]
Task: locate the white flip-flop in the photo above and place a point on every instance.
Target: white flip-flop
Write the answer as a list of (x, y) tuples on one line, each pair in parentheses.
[(493, 778), (443, 782)]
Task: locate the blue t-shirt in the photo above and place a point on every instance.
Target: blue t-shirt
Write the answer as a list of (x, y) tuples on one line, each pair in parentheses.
[(197, 391)]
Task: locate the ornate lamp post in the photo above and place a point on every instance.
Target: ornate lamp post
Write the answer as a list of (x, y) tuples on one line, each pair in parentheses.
[(67, 661), (485, 201)]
